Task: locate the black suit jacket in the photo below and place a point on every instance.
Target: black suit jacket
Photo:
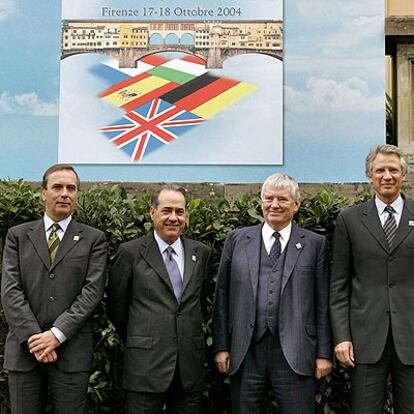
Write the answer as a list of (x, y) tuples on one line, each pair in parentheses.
[(155, 328), (304, 329), (372, 285), (37, 295)]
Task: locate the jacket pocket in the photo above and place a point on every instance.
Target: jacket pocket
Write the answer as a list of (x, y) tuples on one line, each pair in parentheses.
[(144, 342)]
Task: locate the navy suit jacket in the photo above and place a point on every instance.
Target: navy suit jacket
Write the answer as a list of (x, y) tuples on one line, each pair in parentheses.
[(304, 328)]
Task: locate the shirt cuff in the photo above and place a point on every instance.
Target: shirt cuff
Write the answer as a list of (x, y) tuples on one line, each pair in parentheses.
[(60, 336)]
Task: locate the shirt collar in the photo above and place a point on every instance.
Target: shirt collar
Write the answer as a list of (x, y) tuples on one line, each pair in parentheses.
[(397, 205), (62, 223), (267, 232), (162, 245)]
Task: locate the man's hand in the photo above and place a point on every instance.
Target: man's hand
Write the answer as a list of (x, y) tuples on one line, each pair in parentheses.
[(323, 367), (344, 352), (222, 360), (50, 358), (42, 344)]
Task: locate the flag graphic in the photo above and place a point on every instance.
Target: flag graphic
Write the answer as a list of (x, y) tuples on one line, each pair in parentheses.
[(207, 94), (148, 127), (164, 101)]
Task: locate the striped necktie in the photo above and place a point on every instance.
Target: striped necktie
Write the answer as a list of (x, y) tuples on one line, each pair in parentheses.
[(390, 225), (53, 241)]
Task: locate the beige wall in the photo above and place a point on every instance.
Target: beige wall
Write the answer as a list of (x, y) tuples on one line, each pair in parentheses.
[(399, 7)]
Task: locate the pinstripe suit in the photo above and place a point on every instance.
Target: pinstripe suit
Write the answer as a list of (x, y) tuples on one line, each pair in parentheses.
[(304, 331)]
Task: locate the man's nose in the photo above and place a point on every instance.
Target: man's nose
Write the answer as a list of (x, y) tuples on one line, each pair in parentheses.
[(275, 203), (387, 175)]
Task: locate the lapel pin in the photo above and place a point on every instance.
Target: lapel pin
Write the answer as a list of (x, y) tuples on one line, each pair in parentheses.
[(298, 246), (411, 223), (193, 258), (76, 238)]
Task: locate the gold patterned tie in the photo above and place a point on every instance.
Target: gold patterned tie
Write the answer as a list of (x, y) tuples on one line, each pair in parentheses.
[(53, 241)]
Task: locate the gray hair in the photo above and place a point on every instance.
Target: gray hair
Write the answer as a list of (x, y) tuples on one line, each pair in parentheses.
[(280, 180), (384, 149)]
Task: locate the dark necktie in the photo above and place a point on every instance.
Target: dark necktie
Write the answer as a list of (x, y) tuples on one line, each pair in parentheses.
[(174, 273), (53, 241), (276, 249), (390, 225)]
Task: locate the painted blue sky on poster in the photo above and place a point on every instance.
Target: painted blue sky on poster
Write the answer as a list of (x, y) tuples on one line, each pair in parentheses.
[(334, 93)]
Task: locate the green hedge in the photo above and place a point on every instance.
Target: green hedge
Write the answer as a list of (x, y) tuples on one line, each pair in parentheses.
[(124, 217)]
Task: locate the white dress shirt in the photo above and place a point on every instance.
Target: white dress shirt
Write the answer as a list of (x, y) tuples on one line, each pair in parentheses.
[(178, 253), (268, 239), (397, 205)]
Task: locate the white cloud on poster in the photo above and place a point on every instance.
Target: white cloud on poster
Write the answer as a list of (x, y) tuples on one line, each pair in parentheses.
[(7, 7), (328, 95), (358, 31), (27, 104)]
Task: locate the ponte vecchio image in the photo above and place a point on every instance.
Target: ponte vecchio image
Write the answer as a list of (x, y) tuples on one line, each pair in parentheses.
[(214, 40)]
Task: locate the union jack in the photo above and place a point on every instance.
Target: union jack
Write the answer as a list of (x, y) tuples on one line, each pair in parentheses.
[(149, 127)]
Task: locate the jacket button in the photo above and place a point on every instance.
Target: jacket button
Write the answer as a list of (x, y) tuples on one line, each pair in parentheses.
[(51, 299), (52, 276)]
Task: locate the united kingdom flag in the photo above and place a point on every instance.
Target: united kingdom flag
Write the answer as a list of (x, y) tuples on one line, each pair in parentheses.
[(149, 127)]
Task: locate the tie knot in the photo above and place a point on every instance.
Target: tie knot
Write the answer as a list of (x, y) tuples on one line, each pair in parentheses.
[(389, 209), (170, 250), (55, 227), (276, 235)]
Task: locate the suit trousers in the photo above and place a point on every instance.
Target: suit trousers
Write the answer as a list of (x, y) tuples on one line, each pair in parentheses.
[(265, 368), (369, 384), (67, 390), (176, 399)]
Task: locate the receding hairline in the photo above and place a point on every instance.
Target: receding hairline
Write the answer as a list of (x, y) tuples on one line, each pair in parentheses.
[(59, 167), (168, 187)]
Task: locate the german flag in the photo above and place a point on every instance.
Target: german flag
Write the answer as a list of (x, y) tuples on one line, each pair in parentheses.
[(207, 94)]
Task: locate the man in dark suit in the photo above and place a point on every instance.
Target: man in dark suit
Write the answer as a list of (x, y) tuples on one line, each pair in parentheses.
[(271, 324), (53, 279), (372, 288), (157, 301)]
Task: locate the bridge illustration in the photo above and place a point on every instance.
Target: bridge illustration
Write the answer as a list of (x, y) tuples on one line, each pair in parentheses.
[(213, 41)]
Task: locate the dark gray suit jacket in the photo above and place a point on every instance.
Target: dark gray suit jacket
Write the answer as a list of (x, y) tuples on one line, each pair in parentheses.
[(372, 284), (303, 314), (37, 295), (155, 328)]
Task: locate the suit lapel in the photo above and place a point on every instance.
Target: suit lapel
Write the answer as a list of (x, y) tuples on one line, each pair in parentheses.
[(371, 221), (72, 236), (152, 255), (190, 259), (404, 229), (37, 235), (296, 244), (252, 249)]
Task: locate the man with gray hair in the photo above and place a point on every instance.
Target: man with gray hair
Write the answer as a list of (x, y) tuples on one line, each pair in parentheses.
[(372, 288), (270, 319)]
